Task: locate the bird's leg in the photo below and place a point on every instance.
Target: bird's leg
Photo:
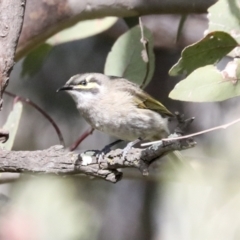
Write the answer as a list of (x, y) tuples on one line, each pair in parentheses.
[(125, 151), (106, 149), (129, 146)]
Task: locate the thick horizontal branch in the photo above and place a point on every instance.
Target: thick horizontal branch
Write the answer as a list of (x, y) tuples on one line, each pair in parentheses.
[(45, 18), (58, 160)]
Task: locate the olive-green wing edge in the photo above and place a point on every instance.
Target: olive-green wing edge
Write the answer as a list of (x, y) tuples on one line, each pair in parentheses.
[(145, 101)]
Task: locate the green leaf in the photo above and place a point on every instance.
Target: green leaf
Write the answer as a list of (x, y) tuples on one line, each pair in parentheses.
[(12, 125), (208, 50), (33, 62), (82, 29), (126, 59), (224, 15), (207, 84)]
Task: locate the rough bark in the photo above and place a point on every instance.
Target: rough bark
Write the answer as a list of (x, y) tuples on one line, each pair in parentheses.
[(11, 19), (57, 160)]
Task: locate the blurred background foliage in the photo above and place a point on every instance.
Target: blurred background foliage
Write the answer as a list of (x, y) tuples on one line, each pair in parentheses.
[(173, 202)]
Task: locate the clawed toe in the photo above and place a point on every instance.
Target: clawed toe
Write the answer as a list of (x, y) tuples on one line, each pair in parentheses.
[(128, 147)]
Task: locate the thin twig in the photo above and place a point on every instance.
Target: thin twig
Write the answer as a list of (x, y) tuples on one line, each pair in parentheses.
[(180, 26), (224, 126), (82, 137), (145, 53), (34, 105)]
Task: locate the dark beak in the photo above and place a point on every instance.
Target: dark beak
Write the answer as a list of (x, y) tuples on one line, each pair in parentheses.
[(65, 88)]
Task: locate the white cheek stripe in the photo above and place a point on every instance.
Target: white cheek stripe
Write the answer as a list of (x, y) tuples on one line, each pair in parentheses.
[(88, 78)]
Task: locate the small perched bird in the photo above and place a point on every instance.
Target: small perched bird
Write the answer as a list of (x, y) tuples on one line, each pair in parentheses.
[(118, 107)]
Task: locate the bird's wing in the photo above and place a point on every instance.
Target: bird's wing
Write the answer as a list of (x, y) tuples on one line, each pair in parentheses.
[(145, 101), (142, 99)]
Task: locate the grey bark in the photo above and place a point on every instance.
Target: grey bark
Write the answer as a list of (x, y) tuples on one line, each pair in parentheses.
[(57, 160), (11, 19)]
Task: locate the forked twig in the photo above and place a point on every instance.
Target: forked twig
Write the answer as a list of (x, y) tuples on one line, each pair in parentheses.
[(46, 115), (82, 137)]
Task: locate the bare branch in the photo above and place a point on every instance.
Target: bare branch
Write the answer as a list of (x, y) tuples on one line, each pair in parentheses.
[(45, 18), (81, 139), (42, 111), (11, 19), (58, 160)]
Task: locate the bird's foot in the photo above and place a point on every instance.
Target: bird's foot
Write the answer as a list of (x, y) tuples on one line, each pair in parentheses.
[(128, 147), (100, 154)]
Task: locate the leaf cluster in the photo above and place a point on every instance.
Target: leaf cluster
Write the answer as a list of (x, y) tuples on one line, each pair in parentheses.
[(203, 81)]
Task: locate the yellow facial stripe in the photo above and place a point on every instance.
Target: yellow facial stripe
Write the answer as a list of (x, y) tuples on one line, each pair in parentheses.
[(89, 85)]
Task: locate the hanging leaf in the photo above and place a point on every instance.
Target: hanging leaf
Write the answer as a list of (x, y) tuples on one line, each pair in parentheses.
[(208, 50), (224, 15), (82, 29), (128, 58), (12, 125), (208, 84)]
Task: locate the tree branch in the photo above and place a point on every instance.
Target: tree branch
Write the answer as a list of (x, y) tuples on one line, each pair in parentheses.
[(58, 160), (45, 18), (11, 19)]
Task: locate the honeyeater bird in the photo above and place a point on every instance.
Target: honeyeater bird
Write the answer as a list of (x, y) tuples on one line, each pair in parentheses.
[(118, 107)]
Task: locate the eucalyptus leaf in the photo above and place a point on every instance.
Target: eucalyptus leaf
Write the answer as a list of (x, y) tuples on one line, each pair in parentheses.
[(209, 50), (33, 62), (224, 15), (12, 124), (82, 29), (208, 84), (126, 58)]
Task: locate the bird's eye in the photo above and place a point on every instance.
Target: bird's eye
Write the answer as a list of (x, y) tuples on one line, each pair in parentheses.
[(83, 82)]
